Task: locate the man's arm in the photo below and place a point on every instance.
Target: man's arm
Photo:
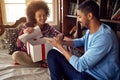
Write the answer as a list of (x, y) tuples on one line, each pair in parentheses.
[(67, 41), (96, 52)]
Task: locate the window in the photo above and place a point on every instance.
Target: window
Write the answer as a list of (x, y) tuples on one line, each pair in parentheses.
[(12, 10)]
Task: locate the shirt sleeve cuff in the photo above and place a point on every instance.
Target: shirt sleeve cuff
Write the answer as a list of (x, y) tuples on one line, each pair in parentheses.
[(73, 59)]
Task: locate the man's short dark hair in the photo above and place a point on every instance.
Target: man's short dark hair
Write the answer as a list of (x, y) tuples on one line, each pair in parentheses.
[(90, 6)]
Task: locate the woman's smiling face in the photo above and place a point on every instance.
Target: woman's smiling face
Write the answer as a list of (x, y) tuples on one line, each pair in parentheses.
[(40, 16)]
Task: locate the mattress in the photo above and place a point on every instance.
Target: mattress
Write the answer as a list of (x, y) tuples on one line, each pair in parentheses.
[(9, 71)]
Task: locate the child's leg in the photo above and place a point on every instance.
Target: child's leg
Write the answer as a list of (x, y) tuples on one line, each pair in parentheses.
[(23, 59)]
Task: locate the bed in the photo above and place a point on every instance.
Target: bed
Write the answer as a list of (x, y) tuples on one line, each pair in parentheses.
[(10, 71)]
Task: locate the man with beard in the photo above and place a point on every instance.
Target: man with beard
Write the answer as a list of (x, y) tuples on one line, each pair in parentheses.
[(100, 60)]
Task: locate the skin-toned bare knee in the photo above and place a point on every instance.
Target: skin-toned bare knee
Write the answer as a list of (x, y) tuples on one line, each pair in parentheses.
[(16, 55), (23, 59)]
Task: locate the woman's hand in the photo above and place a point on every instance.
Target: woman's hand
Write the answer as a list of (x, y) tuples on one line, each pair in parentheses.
[(29, 30)]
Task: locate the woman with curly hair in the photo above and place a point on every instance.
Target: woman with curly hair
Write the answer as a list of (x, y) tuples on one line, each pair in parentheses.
[(37, 13)]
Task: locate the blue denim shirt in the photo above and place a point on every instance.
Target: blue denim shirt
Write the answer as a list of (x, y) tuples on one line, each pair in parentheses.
[(101, 58)]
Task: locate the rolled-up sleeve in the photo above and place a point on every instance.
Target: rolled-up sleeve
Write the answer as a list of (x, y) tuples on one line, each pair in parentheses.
[(79, 42)]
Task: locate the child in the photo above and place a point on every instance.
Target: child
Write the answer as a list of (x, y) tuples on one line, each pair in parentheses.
[(37, 13)]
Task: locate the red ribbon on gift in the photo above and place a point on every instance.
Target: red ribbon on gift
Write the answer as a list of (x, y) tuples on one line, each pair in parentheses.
[(43, 51), (42, 48)]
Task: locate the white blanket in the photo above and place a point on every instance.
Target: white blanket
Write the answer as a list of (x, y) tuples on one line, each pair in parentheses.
[(9, 71)]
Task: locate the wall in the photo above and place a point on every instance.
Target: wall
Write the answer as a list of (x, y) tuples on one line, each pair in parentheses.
[(0, 14)]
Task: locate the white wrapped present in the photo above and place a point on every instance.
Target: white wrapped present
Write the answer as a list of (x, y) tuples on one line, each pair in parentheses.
[(37, 33), (38, 49)]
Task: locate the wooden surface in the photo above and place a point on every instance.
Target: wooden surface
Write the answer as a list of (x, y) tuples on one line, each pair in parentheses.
[(2, 27)]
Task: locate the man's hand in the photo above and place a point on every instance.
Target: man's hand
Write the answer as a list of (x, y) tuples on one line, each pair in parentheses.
[(60, 36), (55, 42)]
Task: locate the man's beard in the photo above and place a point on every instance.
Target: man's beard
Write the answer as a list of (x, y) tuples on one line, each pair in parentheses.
[(84, 28)]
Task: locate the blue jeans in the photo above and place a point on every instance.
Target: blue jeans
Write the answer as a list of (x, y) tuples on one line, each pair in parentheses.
[(61, 69)]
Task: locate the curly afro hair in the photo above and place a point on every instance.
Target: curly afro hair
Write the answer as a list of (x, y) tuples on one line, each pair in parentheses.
[(33, 7)]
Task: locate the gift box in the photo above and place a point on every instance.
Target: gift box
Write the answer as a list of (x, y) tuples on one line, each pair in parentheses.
[(38, 49), (37, 33)]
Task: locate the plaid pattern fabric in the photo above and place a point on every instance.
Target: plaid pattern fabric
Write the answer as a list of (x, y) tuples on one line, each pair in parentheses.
[(49, 31)]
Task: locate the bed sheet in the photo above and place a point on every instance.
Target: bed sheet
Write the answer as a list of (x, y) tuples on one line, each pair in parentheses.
[(9, 71)]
